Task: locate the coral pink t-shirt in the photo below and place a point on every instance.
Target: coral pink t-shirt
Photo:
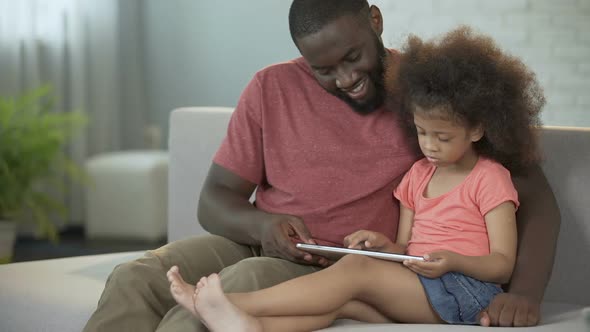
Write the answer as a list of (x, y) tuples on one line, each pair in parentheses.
[(454, 221), (313, 157)]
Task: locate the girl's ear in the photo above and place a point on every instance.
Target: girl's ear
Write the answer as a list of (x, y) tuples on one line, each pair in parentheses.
[(476, 133)]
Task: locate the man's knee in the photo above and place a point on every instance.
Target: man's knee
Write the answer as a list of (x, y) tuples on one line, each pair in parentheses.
[(199, 256), (196, 257), (260, 272), (133, 274), (194, 247)]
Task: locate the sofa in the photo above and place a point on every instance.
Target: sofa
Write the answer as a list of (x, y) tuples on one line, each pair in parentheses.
[(60, 294)]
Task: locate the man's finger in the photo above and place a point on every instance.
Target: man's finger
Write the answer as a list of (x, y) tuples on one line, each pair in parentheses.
[(290, 252), (301, 231), (484, 318), (494, 310), (521, 315), (506, 318), (533, 317)]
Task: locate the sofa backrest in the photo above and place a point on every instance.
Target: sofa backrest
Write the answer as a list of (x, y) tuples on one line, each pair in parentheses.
[(196, 132), (567, 168)]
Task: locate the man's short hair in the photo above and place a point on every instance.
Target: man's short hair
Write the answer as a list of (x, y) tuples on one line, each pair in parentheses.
[(310, 16)]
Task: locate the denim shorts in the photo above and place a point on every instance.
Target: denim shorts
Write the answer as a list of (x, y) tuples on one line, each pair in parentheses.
[(457, 298)]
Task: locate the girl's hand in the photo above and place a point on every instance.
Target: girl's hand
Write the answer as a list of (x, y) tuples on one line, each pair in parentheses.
[(435, 264), (368, 240)]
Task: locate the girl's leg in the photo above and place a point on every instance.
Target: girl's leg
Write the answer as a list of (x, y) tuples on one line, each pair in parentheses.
[(388, 287), (352, 310), (295, 323), (219, 314)]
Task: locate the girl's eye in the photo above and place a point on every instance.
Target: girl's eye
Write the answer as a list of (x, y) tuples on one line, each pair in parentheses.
[(443, 139)]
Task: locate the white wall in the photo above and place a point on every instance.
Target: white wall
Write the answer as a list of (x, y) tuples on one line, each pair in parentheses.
[(552, 37), (204, 52)]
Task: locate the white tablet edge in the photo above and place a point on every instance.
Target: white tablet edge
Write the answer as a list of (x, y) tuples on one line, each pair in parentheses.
[(376, 254)]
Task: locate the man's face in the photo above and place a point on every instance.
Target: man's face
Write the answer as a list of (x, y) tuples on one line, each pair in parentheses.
[(346, 57)]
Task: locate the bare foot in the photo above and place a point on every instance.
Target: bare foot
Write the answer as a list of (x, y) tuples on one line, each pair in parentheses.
[(182, 292), (218, 313)]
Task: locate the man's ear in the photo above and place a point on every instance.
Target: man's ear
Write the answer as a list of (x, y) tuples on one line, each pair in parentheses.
[(477, 133), (376, 20)]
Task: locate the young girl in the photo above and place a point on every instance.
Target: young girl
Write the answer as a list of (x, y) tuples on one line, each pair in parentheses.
[(474, 110)]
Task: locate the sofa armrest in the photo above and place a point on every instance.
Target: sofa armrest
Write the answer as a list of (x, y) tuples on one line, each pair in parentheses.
[(195, 135)]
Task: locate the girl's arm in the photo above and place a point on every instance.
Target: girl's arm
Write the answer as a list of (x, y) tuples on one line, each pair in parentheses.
[(404, 228), (498, 265), (376, 241)]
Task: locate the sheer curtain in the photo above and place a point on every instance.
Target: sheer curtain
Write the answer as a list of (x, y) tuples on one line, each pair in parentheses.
[(91, 54)]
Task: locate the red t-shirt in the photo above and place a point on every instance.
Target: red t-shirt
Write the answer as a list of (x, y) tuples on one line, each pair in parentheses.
[(313, 157)]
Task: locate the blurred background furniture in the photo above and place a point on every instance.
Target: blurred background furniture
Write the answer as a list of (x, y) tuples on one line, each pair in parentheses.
[(128, 197)]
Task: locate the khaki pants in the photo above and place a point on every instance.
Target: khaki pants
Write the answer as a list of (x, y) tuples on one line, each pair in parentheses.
[(137, 294)]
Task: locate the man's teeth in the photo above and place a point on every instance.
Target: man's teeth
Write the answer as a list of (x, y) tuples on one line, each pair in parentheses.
[(358, 87)]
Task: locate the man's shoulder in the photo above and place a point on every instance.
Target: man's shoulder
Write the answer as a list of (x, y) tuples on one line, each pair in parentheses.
[(294, 67)]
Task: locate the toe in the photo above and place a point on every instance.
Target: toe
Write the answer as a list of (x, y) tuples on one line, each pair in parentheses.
[(214, 279), (177, 277), (171, 278)]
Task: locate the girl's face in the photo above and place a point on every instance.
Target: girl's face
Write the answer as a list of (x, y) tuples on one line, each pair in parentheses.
[(443, 141)]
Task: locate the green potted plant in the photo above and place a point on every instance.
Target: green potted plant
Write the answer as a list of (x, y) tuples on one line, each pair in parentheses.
[(32, 141)]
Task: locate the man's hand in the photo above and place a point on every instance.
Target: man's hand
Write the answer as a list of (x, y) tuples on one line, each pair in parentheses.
[(435, 264), (511, 310), (277, 239), (368, 240)]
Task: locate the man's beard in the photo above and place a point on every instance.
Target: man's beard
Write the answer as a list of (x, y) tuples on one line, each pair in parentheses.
[(375, 76)]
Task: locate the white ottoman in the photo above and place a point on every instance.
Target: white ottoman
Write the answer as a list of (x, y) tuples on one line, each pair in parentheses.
[(129, 196)]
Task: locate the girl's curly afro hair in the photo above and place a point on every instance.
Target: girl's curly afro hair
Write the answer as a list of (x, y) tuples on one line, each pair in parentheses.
[(468, 75)]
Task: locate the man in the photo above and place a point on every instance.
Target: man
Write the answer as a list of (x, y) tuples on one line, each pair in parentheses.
[(315, 139)]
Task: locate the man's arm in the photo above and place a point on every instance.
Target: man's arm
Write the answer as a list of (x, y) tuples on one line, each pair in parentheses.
[(538, 222), (224, 209)]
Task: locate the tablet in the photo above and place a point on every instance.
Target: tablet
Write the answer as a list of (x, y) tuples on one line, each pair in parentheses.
[(334, 253)]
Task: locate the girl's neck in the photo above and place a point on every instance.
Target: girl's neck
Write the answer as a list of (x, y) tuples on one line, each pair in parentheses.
[(465, 164)]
